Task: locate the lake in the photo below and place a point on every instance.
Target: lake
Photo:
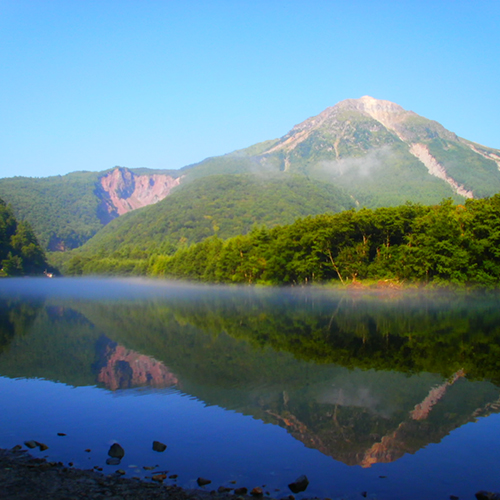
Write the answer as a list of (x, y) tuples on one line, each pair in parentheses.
[(376, 394)]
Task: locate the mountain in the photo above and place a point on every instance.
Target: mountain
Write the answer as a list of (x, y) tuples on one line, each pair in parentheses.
[(378, 152), (360, 152), (382, 154)]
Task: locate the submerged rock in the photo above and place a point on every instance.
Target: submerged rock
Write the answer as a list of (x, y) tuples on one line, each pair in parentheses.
[(159, 477), (42, 446), (240, 491), (257, 492), (202, 481), (116, 451), (300, 484), (30, 444), (113, 461), (157, 446)]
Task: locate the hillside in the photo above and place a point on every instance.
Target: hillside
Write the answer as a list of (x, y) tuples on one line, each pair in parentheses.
[(66, 211), (217, 205)]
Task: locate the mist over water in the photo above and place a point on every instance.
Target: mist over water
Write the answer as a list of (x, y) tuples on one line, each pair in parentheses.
[(257, 385)]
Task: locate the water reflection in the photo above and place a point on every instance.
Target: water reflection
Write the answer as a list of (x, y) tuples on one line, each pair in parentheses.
[(121, 368), (362, 378)]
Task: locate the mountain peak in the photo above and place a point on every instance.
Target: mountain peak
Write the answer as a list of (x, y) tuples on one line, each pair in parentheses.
[(388, 113), (369, 103)]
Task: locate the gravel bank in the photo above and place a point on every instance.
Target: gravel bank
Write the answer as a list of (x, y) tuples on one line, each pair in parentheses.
[(23, 477)]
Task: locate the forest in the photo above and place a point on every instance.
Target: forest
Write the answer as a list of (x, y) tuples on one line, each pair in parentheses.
[(20, 252), (446, 243), (62, 210)]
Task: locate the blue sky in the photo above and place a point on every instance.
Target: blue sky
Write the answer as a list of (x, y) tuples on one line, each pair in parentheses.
[(87, 85)]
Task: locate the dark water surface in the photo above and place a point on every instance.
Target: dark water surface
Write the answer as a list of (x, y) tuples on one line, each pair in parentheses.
[(392, 394)]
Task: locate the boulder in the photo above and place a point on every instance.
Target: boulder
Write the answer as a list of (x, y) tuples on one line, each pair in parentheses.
[(257, 492), (157, 446), (300, 484), (202, 481), (116, 451), (487, 495)]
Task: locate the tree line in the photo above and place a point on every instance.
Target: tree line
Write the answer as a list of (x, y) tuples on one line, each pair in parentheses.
[(445, 243)]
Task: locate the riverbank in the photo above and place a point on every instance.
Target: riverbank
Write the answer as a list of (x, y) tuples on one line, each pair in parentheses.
[(23, 477)]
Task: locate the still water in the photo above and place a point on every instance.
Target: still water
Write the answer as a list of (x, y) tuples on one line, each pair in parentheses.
[(388, 395)]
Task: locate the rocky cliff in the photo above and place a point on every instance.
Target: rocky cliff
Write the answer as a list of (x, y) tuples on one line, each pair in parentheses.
[(121, 191)]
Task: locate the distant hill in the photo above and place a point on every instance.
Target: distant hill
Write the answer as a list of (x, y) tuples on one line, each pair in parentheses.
[(367, 152)]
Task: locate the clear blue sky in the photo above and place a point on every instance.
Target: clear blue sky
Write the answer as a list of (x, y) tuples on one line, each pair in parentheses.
[(90, 84)]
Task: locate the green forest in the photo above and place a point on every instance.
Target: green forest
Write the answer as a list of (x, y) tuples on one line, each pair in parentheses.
[(63, 210), (20, 252), (445, 243)]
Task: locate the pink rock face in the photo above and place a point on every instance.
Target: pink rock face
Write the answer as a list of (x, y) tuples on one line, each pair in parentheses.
[(126, 369), (128, 191)]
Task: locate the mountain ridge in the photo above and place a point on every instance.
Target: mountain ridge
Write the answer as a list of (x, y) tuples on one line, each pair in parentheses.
[(373, 151)]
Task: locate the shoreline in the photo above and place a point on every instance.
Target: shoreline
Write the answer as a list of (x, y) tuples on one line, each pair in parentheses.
[(24, 477)]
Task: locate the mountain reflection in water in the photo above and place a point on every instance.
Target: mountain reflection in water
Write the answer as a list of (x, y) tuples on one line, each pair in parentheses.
[(362, 377), (122, 368)]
